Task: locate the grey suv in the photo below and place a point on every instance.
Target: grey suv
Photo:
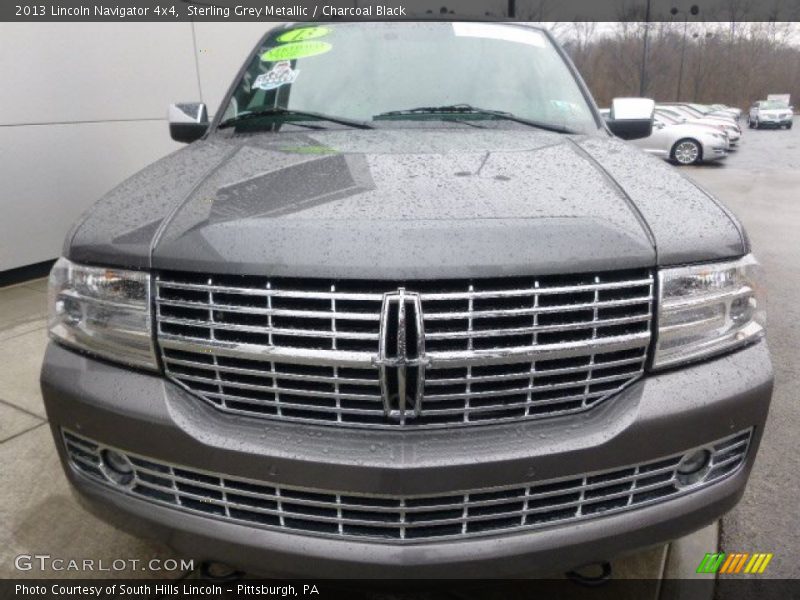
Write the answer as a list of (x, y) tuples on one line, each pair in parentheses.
[(406, 308)]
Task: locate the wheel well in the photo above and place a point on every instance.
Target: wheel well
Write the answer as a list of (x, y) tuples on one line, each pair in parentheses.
[(687, 139)]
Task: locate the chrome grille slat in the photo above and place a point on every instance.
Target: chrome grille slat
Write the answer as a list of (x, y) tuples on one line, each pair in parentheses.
[(524, 390), (242, 405), (86, 461), (435, 410), (481, 333), (536, 290), (309, 314), (245, 291), (288, 404), (442, 359), (378, 411), (517, 312), (217, 326), (541, 352), (544, 373), (273, 389), (400, 519), (266, 353), (309, 350), (278, 375)]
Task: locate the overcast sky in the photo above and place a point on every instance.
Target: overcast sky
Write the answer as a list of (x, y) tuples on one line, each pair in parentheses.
[(565, 30)]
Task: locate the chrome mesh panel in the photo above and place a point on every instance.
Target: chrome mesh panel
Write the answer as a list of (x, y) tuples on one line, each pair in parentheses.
[(396, 519), (496, 349)]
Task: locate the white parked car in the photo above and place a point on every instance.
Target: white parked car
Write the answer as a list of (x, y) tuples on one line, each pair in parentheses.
[(736, 113), (694, 111), (685, 114), (703, 110), (770, 113), (709, 111), (684, 143)]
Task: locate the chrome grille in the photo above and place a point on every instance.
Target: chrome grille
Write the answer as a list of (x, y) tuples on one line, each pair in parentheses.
[(396, 519), (495, 349)]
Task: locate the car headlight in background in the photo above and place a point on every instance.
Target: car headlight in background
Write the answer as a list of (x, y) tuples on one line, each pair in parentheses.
[(707, 309), (103, 311)]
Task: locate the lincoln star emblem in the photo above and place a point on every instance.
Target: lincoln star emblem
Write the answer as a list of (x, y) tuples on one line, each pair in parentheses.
[(401, 355)]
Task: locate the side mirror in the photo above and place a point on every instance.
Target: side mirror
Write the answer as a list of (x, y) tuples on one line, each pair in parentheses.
[(658, 125), (631, 118), (187, 121)]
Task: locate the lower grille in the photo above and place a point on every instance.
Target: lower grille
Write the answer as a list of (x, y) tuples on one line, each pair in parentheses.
[(397, 519)]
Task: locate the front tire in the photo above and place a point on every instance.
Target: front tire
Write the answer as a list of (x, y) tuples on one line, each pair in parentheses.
[(750, 123), (687, 152)]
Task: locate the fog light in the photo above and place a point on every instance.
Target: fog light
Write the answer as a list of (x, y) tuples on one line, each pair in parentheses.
[(116, 467), (694, 467)]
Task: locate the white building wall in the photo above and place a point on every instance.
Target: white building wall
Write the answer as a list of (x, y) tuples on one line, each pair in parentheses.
[(83, 106)]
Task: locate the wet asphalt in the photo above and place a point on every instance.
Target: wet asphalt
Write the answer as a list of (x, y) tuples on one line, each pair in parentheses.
[(761, 184)]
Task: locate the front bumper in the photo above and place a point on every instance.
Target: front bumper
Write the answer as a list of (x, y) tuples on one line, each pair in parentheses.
[(658, 416), (774, 121), (715, 151)]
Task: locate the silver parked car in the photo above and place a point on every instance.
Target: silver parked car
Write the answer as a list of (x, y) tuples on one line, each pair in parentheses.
[(709, 111), (703, 110), (770, 113), (687, 115), (685, 143), (735, 112)]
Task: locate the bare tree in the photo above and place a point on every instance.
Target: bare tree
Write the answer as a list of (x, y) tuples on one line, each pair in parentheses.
[(732, 64)]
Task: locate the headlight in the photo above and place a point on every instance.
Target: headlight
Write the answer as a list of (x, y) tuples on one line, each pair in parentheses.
[(102, 311), (707, 309)]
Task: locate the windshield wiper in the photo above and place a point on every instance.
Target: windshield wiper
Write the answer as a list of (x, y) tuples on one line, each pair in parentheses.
[(468, 109), (279, 111)]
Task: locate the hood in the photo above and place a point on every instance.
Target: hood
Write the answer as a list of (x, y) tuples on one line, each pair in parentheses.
[(399, 204), (718, 120), (688, 224), (696, 128)]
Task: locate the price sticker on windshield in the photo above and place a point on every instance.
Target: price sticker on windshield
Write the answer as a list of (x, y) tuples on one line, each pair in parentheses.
[(302, 34), (296, 50)]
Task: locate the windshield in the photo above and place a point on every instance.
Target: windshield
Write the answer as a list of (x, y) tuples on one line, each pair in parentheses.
[(673, 114), (666, 119), (358, 71), (774, 105), (690, 111)]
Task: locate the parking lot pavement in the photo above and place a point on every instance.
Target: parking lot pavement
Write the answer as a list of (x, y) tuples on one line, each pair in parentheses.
[(761, 184), (766, 149)]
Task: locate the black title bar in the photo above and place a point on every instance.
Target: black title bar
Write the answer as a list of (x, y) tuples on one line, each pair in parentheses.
[(388, 10)]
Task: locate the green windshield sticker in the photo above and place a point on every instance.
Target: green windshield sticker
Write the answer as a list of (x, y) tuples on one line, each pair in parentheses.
[(295, 50), (303, 34)]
